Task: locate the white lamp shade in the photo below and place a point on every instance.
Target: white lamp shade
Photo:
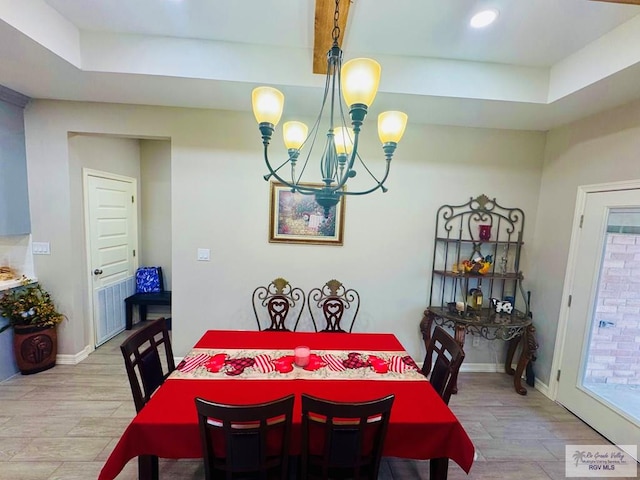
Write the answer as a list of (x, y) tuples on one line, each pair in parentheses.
[(343, 138), (391, 126), (294, 133), (360, 78), (267, 103)]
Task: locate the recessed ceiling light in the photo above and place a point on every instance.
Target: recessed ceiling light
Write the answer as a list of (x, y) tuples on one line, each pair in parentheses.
[(484, 18)]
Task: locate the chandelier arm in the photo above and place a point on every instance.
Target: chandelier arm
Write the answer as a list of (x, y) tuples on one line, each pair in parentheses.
[(354, 152), (357, 125), (349, 168), (303, 189), (306, 191), (346, 171), (314, 131), (294, 183), (274, 173), (364, 165), (282, 164), (341, 101), (316, 124), (379, 185)]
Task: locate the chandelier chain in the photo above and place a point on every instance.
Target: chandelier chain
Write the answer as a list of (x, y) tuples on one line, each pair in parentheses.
[(335, 33)]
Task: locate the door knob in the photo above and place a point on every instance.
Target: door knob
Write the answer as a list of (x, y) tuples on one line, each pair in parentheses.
[(97, 271)]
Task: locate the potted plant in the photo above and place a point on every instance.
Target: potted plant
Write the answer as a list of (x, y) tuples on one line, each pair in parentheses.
[(34, 318)]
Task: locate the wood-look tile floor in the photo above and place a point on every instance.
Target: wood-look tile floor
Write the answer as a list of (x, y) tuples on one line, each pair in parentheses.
[(63, 423)]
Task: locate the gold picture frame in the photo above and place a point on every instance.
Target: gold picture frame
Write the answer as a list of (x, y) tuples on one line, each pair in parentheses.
[(297, 218)]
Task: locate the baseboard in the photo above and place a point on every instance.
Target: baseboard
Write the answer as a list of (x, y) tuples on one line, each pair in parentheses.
[(63, 359), (543, 388), (480, 367)]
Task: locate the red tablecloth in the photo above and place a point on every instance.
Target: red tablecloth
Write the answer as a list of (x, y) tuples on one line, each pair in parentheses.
[(421, 425)]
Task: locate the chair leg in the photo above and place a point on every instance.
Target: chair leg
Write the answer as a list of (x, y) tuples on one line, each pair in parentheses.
[(142, 310), (438, 468), (129, 315), (148, 468)]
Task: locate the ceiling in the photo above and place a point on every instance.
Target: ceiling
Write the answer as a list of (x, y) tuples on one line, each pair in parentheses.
[(543, 63)]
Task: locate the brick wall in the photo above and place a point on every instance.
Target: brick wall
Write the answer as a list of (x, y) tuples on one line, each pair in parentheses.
[(615, 338)]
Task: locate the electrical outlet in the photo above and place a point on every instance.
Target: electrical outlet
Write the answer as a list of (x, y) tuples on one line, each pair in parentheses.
[(476, 341), (204, 254)]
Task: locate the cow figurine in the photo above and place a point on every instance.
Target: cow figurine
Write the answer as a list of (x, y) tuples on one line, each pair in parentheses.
[(502, 306)]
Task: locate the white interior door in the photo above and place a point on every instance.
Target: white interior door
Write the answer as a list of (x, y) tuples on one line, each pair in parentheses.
[(112, 242), (600, 369)]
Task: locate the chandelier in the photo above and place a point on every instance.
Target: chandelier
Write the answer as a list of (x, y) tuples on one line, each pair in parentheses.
[(354, 84)]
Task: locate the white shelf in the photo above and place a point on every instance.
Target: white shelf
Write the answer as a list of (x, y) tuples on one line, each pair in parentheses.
[(9, 284)]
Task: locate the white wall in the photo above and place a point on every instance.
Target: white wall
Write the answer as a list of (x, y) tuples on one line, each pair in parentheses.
[(110, 154), (602, 148), (155, 203), (220, 201)]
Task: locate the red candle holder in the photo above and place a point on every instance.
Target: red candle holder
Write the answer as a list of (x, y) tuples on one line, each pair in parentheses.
[(484, 232)]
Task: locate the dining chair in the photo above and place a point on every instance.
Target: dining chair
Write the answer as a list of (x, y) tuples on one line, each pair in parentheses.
[(343, 440), (442, 362), (273, 303), (441, 365), (246, 441), (148, 359), (334, 304)]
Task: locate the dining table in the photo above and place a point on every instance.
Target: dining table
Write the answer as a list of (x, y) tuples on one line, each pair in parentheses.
[(246, 367)]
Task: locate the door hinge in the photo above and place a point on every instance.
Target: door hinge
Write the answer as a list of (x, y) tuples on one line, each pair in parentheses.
[(133, 201), (558, 376), (134, 252), (581, 220), (569, 302)]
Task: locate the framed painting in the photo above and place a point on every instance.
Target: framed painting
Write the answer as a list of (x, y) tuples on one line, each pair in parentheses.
[(297, 218)]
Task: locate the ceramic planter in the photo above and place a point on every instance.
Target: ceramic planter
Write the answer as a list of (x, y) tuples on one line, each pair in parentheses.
[(35, 347)]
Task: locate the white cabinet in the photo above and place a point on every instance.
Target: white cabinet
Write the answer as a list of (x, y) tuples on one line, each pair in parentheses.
[(14, 195)]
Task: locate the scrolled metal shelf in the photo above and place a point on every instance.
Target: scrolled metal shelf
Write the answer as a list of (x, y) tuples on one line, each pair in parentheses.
[(487, 324), (496, 276), (479, 242)]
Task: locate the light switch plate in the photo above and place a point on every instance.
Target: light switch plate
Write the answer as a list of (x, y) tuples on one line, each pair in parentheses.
[(204, 254), (41, 248)]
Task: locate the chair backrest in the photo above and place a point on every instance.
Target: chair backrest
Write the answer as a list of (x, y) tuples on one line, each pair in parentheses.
[(445, 366), (335, 305), (148, 358), (273, 303), (250, 440), (343, 440)]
